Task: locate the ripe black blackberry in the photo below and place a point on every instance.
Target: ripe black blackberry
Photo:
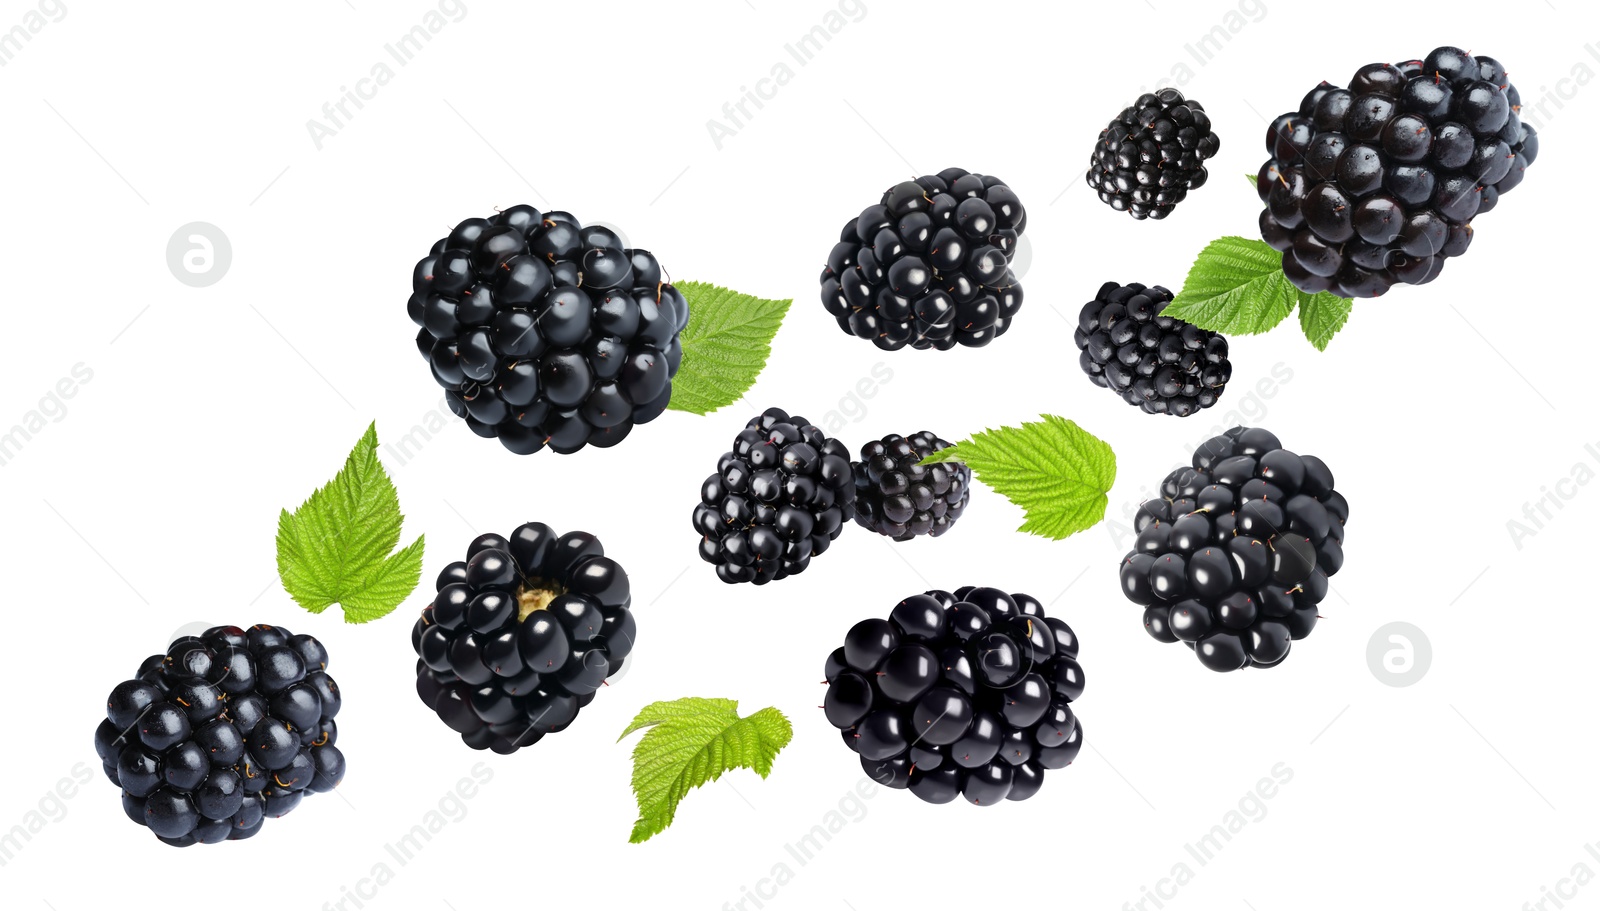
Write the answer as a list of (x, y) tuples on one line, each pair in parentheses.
[(965, 693), (1149, 157), (1378, 183), (1160, 363), (546, 332), (779, 497), (521, 634), (928, 265), (224, 730), (899, 497), (1235, 556)]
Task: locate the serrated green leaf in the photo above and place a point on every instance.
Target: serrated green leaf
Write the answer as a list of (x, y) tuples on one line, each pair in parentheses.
[(725, 345), (1321, 315), (1055, 470), (336, 547), (1235, 286), (692, 741), (1253, 178)]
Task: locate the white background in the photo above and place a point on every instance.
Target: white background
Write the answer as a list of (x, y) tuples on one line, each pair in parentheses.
[(149, 501)]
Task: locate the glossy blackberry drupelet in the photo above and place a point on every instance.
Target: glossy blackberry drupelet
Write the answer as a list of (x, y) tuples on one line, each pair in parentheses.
[(1160, 363), (1378, 183), (929, 264), (967, 693), (224, 730), (546, 332), (521, 635), (779, 497), (898, 497), (1149, 157), (1235, 556)]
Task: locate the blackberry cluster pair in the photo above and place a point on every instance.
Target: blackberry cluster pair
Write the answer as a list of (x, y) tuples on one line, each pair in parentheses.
[(1378, 182), (545, 332), (221, 732), (1150, 156), (928, 265), (967, 693), (785, 489), (1235, 556), (1160, 363), (521, 634)]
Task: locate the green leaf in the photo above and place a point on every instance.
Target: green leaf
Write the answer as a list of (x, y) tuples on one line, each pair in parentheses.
[(1055, 470), (335, 549), (725, 345), (1236, 286), (1253, 178), (1321, 315), (690, 742)]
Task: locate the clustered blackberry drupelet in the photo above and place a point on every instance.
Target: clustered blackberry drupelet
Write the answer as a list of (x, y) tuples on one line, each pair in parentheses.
[(224, 730), (929, 264), (1160, 363), (1234, 557), (959, 693), (899, 497), (1150, 156), (779, 497), (1378, 182), (521, 634), (545, 332)]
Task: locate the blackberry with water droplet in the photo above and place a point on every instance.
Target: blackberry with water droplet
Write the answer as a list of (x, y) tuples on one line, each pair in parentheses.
[(225, 729), (1234, 556), (779, 497), (547, 332), (966, 693), (898, 496), (1378, 183), (1160, 363), (928, 265), (1152, 154), (521, 634)]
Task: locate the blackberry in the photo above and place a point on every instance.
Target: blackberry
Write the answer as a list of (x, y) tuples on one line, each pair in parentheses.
[(1378, 182), (929, 264), (967, 693), (779, 497), (898, 496), (1160, 363), (521, 634), (225, 729), (546, 332), (1235, 556), (1149, 157)]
